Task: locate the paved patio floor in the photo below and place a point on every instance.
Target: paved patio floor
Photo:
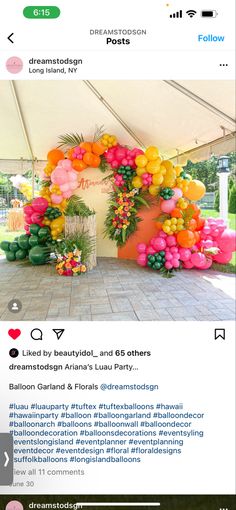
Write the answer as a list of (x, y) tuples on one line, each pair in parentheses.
[(115, 290)]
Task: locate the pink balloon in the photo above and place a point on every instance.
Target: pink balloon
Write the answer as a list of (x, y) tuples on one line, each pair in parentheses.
[(150, 250), (28, 209), (188, 264), (26, 227), (72, 175), (39, 204), (167, 205), (168, 256), (114, 163), (208, 264), (168, 265), (120, 153), (56, 199), (141, 247), (175, 263), (185, 254), (65, 187), (171, 241), (162, 234), (65, 163), (178, 193), (59, 176), (158, 243), (223, 257), (36, 217), (142, 259), (67, 194), (227, 240), (198, 259), (73, 185), (206, 229)]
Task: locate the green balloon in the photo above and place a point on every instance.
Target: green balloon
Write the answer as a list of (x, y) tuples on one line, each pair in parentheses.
[(162, 253), (10, 256), (149, 264), (5, 245), (34, 228), (21, 254), (33, 241), (24, 242), (152, 258), (39, 255), (43, 232), (14, 246)]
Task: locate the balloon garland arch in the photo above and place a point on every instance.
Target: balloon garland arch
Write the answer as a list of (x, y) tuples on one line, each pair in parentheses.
[(140, 177)]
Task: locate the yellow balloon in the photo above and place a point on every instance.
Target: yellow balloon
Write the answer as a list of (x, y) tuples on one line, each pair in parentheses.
[(137, 182), (141, 160), (157, 179), (167, 164), (153, 190), (152, 153), (163, 169), (196, 190), (140, 171), (178, 170), (154, 166)]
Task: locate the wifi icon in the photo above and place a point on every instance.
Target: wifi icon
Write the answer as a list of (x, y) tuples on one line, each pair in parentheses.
[(191, 13)]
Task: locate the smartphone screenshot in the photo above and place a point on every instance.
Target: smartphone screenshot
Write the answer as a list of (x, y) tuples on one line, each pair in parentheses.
[(117, 255)]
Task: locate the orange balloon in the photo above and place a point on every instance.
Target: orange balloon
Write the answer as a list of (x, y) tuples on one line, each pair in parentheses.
[(79, 165), (176, 213), (69, 154), (200, 223), (54, 156), (88, 158), (192, 224), (87, 146), (186, 238), (196, 210), (96, 161), (98, 148), (197, 237)]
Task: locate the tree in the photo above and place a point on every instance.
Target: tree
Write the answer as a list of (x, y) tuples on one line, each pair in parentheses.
[(232, 200), (217, 201)]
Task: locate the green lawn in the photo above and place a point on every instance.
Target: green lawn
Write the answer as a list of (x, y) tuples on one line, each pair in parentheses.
[(8, 236)]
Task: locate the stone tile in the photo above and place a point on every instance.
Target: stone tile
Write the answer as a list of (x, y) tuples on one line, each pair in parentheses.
[(100, 308), (147, 315), (80, 310), (123, 316), (120, 304)]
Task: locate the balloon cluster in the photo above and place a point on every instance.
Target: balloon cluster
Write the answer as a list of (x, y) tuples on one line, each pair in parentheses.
[(34, 246), (122, 156), (64, 181), (51, 214), (23, 185), (214, 242), (34, 212)]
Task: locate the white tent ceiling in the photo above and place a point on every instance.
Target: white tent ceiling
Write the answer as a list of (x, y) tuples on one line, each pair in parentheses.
[(186, 117)]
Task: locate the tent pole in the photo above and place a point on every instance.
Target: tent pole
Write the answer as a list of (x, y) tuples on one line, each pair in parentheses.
[(200, 101), (113, 112), (24, 130)]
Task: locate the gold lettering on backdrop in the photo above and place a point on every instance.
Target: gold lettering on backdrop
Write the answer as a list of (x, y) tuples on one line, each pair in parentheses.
[(106, 186)]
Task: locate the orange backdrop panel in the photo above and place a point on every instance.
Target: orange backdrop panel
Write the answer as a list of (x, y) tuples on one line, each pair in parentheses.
[(146, 230)]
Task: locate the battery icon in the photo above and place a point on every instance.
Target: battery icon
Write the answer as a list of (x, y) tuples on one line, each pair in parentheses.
[(209, 14)]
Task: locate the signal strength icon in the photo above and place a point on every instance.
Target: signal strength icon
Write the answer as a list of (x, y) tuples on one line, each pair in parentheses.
[(191, 13), (178, 14)]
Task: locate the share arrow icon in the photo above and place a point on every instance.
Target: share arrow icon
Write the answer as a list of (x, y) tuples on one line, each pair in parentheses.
[(59, 332)]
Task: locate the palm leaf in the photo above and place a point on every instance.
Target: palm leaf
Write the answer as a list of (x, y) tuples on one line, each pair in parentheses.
[(77, 207), (70, 139), (99, 131)]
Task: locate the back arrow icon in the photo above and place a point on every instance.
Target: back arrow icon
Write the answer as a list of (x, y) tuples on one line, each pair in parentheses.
[(7, 459), (9, 38)]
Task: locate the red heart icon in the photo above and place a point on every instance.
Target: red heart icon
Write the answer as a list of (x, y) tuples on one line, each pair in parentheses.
[(14, 333)]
